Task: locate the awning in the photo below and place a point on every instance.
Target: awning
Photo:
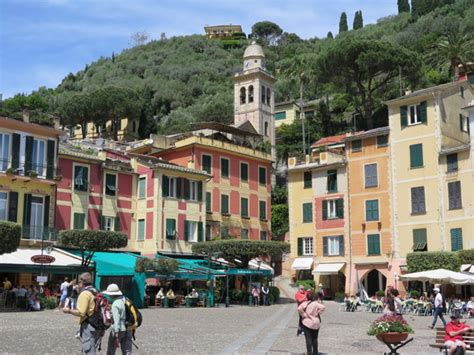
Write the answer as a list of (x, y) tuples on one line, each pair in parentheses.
[(257, 264), (302, 264), (115, 263), (440, 276), (328, 269)]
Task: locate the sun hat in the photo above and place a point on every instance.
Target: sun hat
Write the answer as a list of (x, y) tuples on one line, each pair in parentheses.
[(113, 290), (436, 289)]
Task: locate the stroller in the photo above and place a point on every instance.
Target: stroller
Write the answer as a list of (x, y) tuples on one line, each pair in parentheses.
[(457, 308)]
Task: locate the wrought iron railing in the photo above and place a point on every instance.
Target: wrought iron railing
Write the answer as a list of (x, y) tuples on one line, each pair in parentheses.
[(30, 169), (38, 233)]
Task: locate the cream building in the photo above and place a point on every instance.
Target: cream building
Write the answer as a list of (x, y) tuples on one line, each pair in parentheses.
[(127, 131)]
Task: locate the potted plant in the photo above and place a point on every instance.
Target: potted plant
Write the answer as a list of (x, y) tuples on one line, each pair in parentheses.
[(390, 329), (32, 173), (10, 171)]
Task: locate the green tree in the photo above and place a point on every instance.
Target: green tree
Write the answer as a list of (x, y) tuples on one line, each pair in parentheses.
[(268, 32), (91, 241), (76, 110), (280, 223), (403, 6), (365, 67), (242, 250), (358, 21), (343, 23), (329, 35), (10, 235)]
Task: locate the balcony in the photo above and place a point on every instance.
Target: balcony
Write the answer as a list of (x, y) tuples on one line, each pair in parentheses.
[(40, 171), (317, 158), (29, 232)]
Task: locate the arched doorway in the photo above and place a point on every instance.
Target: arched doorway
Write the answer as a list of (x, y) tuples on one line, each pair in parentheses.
[(374, 281)]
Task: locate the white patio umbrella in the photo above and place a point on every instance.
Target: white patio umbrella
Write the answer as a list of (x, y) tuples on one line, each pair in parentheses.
[(441, 276)]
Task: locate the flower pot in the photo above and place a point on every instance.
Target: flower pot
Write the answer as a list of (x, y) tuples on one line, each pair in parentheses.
[(392, 337)]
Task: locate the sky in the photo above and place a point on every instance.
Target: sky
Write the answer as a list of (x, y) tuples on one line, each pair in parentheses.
[(41, 41)]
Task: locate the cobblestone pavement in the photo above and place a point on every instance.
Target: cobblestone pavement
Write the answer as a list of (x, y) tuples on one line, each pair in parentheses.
[(233, 330)]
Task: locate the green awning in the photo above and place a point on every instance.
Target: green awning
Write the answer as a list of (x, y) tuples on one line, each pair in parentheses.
[(115, 264)]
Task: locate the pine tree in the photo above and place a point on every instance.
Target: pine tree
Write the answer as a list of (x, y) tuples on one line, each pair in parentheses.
[(358, 21), (403, 6), (343, 23), (329, 35)]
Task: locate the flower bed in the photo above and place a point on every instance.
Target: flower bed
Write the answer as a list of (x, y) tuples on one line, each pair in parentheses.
[(389, 324)]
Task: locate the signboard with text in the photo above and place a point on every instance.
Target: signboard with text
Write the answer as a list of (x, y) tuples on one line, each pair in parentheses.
[(43, 259)]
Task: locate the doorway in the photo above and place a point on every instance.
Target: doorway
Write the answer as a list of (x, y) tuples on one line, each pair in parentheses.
[(374, 281)]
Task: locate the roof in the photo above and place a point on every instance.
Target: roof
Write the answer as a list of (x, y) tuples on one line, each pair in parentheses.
[(254, 50), (329, 140), (223, 128), (155, 162), (367, 134), (28, 127), (224, 26)]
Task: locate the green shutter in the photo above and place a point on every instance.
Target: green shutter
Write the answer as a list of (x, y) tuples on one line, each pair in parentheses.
[(208, 202), (117, 224), (461, 122), (416, 155), (102, 222), (141, 229), (371, 210), (187, 189), (46, 211), (224, 168), (341, 245), (200, 232), (325, 210), (142, 188), (244, 207), (165, 186), (27, 209), (325, 246), (79, 221), (263, 210), (300, 246), (224, 204), (28, 154), (340, 208), (456, 239), (170, 228), (13, 206), (423, 112), (15, 151), (307, 178), (419, 239), (373, 244), (404, 116), (50, 159), (307, 212), (186, 230), (179, 188), (199, 183), (262, 176), (75, 224)]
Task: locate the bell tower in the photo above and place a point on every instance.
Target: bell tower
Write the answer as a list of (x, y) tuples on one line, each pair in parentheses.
[(254, 99)]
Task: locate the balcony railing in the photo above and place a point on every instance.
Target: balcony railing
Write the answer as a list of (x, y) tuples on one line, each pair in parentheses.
[(42, 171), (38, 233)]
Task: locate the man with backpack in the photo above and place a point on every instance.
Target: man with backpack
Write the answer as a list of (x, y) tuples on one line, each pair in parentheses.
[(89, 335), (121, 333)]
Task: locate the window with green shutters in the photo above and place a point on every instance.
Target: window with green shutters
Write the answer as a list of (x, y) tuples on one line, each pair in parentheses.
[(371, 177), (456, 239), (262, 175), (414, 114), (117, 226), (373, 244), (244, 172), (170, 228), (263, 235), (280, 115), (333, 209), (418, 200), (307, 178), (141, 230), (208, 202), (452, 162), (420, 240), (331, 181), (224, 232), (333, 246), (356, 145), (207, 163), (142, 187), (307, 212), (244, 207), (225, 204), (454, 195), (110, 184), (244, 233), (79, 221), (382, 141), (224, 168), (81, 174), (263, 210), (416, 156), (372, 210)]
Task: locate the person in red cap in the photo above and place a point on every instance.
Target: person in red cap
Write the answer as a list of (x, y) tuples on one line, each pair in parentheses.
[(300, 297)]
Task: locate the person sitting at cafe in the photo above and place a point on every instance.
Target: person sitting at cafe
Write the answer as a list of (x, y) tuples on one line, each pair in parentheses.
[(193, 294), (454, 332), (170, 294), (470, 307)]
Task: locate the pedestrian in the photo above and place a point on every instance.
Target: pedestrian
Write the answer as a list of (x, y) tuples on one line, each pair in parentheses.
[(453, 338), (310, 311), (300, 297), (63, 291), (89, 336), (255, 295), (438, 308), (119, 335), (265, 291), (73, 293), (397, 302)]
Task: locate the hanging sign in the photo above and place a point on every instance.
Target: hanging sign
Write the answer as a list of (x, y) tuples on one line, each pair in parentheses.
[(43, 259)]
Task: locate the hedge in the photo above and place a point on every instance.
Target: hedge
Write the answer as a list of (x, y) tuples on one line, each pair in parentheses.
[(466, 256), (423, 261), (10, 235)]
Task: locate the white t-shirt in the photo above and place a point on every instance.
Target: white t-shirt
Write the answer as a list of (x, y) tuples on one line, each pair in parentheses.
[(21, 292), (64, 287), (438, 300)]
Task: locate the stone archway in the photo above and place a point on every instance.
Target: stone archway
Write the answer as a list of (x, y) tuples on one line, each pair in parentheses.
[(374, 281)]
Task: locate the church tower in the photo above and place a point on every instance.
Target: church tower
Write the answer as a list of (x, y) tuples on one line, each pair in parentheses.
[(254, 100)]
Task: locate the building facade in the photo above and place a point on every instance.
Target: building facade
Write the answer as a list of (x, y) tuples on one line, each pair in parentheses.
[(288, 111), (127, 130)]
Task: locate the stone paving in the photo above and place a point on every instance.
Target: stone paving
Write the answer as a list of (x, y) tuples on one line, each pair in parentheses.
[(233, 330)]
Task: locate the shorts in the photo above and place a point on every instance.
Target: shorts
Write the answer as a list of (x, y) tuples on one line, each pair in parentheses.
[(63, 297), (450, 343)]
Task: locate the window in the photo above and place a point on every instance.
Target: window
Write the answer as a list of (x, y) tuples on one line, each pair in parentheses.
[(280, 115), (244, 233), (244, 171), (141, 230), (456, 239), (107, 223), (266, 129), (3, 206), (356, 145), (208, 232), (412, 115), (38, 157), (418, 200), (169, 186), (419, 240), (224, 232), (305, 246), (4, 151), (190, 231), (110, 184), (207, 163), (80, 178), (262, 176), (79, 221), (452, 162), (264, 94), (333, 246), (208, 202), (371, 178), (142, 187), (193, 190), (464, 123), (224, 168), (244, 207), (373, 244), (243, 95), (372, 210), (454, 195), (170, 228), (307, 178), (269, 96), (250, 93), (225, 204), (382, 141), (309, 114), (333, 209), (307, 212), (263, 235), (332, 180), (416, 156), (461, 91), (263, 210)]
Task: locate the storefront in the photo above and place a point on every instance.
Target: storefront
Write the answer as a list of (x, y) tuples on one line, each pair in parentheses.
[(331, 276), (302, 267)]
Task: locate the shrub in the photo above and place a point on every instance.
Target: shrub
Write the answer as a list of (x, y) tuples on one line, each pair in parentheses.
[(433, 260), (380, 293), (162, 266), (339, 296), (10, 235), (466, 256), (389, 323), (308, 284), (273, 294), (48, 302), (415, 293)]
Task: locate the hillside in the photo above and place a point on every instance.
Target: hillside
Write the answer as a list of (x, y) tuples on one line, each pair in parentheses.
[(188, 79)]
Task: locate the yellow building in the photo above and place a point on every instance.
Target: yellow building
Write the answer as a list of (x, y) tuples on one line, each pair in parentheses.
[(223, 31), (127, 130), (287, 112), (431, 170)]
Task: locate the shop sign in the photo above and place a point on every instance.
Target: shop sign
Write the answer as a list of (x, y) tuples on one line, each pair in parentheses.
[(41, 279), (43, 259)]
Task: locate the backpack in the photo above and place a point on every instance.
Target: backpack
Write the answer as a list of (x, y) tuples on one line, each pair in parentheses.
[(101, 319), (133, 317)]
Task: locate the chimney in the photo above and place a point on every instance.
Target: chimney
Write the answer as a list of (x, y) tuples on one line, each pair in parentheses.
[(26, 114), (56, 121), (407, 92)]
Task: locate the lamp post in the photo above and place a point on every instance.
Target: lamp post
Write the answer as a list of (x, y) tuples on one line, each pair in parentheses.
[(227, 298)]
